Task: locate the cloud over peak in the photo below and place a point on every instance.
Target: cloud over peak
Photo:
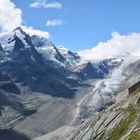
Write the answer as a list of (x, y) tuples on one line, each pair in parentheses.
[(11, 17), (31, 31), (45, 4), (116, 46)]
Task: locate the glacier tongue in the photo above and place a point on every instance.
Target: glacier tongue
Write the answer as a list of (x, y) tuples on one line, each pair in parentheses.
[(106, 91)]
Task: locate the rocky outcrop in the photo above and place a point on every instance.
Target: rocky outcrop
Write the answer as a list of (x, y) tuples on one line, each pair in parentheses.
[(134, 87)]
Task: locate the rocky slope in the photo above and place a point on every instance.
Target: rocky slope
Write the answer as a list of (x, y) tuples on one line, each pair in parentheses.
[(118, 122)]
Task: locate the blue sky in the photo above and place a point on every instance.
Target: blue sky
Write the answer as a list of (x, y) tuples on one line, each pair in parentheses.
[(84, 22)]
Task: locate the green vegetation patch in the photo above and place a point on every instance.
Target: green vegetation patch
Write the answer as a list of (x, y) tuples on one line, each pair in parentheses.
[(135, 136), (124, 124)]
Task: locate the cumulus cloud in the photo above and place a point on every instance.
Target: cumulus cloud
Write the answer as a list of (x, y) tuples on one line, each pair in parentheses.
[(11, 17), (118, 45), (54, 22), (31, 31), (45, 4)]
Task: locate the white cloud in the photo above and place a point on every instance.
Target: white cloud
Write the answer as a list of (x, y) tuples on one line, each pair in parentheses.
[(54, 22), (11, 17), (118, 45), (45, 4), (54, 5), (31, 31)]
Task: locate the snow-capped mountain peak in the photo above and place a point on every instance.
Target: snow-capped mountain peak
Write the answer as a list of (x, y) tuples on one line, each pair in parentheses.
[(16, 39), (19, 32)]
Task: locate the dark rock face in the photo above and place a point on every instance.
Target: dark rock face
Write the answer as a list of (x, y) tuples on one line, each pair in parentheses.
[(10, 87), (134, 87), (59, 57), (7, 84), (4, 77), (18, 44), (1, 49), (75, 55), (9, 134)]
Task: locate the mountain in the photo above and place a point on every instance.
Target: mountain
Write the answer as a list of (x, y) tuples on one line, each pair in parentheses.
[(27, 66), (44, 87)]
